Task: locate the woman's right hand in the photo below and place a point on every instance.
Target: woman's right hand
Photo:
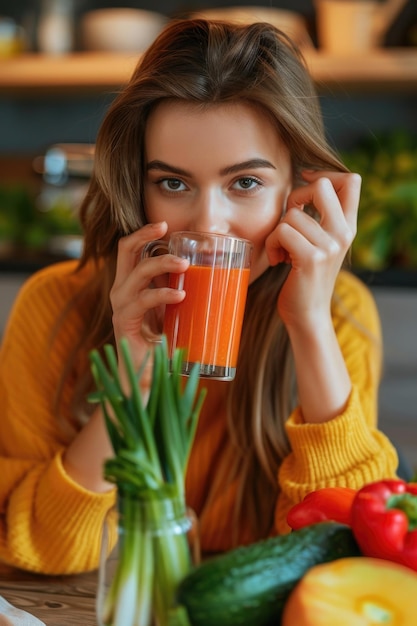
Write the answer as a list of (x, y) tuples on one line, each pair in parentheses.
[(140, 289)]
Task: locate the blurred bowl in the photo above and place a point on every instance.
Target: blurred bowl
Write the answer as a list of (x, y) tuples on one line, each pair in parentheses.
[(291, 23), (120, 30)]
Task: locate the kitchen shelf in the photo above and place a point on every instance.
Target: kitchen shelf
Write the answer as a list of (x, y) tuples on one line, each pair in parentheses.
[(78, 73), (383, 70), (28, 75)]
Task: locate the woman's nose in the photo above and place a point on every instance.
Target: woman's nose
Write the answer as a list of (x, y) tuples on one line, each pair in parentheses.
[(210, 214)]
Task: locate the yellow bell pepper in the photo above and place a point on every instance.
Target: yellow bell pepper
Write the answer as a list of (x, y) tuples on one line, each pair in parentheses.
[(354, 591)]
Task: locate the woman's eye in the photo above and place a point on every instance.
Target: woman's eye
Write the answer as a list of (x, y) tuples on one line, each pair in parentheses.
[(171, 184), (247, 183)]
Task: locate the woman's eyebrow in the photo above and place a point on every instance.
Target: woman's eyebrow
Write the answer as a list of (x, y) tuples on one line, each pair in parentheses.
[(247, 165), (165, 167), (230, 169)]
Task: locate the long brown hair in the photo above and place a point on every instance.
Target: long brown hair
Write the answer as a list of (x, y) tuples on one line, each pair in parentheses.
[(211, 62)]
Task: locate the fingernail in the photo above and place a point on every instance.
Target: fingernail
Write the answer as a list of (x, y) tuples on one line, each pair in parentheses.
[(179, 260)]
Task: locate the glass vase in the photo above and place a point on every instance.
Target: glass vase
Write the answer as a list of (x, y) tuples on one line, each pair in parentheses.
[(148, 546)]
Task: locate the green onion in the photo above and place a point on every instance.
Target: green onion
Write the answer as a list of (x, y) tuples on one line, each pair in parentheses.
[(151, 447)]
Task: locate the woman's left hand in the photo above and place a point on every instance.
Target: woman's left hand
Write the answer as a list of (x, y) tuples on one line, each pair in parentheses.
[(314, 248)]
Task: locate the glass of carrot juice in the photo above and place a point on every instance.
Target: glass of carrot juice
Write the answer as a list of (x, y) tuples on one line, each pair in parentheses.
[(207, 324)]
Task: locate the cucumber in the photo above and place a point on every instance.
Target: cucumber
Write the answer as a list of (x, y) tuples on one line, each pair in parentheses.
[(249, 585)]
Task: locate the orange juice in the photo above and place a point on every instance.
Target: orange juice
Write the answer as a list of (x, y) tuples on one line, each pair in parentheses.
[(208, 322)]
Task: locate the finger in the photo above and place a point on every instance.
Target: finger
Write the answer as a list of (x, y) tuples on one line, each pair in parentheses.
[(153, 298), (139, 279), (322, 194), (297, 249), (133, 313), (347, 186), (153, 267), (130, 248), (308, 227), (298, 233)]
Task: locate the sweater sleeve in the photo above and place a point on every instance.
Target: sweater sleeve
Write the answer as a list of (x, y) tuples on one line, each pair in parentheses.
[(348, 450), (48, 523)]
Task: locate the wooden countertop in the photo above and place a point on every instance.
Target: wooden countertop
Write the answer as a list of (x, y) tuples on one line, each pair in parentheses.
[(55, 600)]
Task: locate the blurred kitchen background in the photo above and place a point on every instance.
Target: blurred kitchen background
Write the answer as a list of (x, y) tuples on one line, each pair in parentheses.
[(62, 61)]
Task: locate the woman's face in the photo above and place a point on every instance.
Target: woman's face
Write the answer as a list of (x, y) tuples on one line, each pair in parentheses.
[(223, 169)]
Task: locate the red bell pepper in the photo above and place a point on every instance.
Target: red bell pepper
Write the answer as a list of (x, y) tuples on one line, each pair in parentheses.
[(384, 521), (327, 504)]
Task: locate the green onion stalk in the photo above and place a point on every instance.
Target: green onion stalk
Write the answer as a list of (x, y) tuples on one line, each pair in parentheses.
[(151, 444)]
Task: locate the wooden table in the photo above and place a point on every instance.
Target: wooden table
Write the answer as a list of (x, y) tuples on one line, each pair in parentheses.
[(56, 600)]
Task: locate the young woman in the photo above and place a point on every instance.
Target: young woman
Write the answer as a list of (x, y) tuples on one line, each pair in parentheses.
[(218, 130)]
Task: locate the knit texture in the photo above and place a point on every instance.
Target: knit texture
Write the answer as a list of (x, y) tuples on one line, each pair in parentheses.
[(50, 524)]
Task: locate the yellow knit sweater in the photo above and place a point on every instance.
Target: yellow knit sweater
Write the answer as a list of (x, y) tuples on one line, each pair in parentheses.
[(49, 523)]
